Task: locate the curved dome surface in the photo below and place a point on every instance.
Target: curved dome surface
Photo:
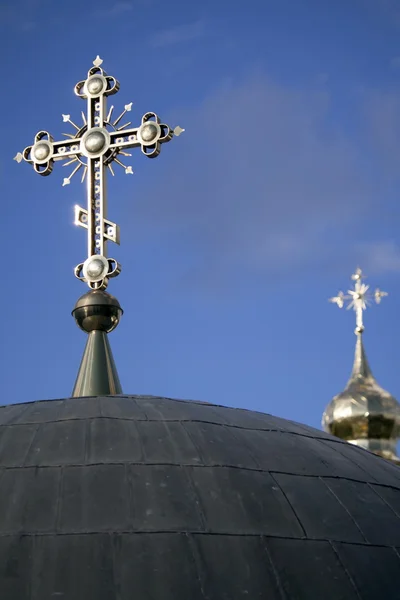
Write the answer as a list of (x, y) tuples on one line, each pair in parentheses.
[(155, 499)]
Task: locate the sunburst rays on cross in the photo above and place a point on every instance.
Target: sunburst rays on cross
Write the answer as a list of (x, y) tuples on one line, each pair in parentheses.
[(109, 125)]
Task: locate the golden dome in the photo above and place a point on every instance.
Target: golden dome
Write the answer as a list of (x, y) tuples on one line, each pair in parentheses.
[(364, 414)]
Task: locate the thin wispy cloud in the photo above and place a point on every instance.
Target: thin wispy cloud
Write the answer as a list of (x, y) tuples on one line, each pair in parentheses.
[(115, 10), (10, 15), (382, 116), (379, 257), (389, 10), (268, 187), (28, 25), (178, 35), (395, 62), (6, 14)]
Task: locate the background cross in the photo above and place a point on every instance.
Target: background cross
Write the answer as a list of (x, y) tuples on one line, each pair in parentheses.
[(360, 297), (98, 143)]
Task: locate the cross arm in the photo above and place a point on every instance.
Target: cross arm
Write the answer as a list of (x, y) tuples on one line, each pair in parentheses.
[(44, 151), (148, 136)]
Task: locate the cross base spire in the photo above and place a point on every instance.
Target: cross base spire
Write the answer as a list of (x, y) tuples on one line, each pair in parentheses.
[(97, 313)]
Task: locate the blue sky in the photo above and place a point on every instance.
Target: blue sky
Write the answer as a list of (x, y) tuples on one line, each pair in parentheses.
[(286, 179)]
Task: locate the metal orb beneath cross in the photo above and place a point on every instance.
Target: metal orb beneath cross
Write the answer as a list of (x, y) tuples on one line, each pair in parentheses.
[(97, 310)]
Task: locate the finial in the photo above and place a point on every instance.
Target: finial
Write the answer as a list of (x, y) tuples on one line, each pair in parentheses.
[(363, 414), (98, 142), (98, 61), (359, 297), (94, 146), (97, 313)]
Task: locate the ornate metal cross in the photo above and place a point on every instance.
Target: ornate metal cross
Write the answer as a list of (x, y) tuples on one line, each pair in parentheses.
[(359, 298), (94, 147)]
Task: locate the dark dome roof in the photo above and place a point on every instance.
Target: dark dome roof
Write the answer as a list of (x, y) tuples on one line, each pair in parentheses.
[(155, 499)]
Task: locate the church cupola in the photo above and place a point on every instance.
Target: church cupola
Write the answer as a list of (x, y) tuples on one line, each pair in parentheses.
[(363, 414)]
